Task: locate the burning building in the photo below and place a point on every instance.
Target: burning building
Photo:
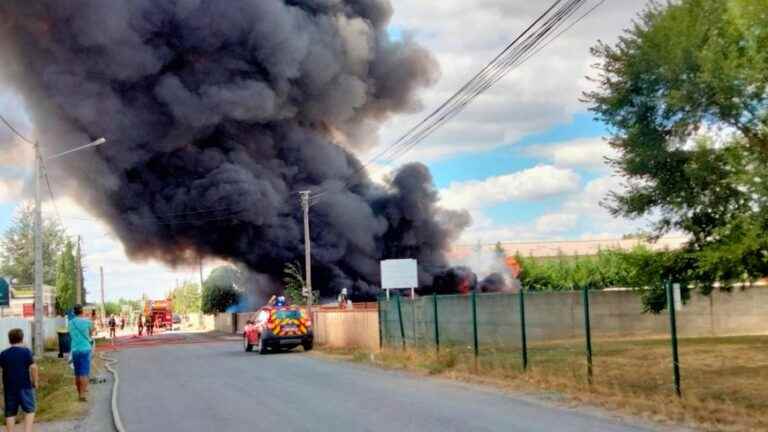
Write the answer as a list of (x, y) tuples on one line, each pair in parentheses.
[(217, 113)]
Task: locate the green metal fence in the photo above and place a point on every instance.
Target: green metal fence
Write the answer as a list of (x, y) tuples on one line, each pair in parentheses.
[(526, 328)]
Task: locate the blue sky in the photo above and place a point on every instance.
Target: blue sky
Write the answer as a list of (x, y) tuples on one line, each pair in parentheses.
[(512, 156), (525, 159)]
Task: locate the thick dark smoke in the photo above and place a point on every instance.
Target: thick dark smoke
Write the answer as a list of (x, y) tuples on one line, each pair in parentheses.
[(217, 112)]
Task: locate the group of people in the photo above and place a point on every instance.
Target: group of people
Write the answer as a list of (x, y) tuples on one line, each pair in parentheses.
[(20, 373), (147, 323)]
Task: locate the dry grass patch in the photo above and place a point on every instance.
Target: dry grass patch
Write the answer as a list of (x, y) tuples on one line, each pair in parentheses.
[(724, 380)]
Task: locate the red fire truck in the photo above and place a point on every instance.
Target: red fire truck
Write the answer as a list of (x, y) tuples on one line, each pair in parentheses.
[(161, 311)]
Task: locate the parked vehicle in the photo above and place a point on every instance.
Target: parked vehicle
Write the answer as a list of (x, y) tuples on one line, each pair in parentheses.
[(160, 311), (278, 328)]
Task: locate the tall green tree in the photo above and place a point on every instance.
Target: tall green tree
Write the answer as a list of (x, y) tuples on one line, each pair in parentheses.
[(187, 298), (219, 290), (685, 93), (66, 279), (17, 256)]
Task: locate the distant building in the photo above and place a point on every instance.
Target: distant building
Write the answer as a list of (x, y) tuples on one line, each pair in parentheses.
[(23, 299)]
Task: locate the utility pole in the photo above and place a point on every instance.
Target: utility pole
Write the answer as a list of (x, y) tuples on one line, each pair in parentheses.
[(78, 275), (201, 274), (103, 309), (305, 195), (38, 331)]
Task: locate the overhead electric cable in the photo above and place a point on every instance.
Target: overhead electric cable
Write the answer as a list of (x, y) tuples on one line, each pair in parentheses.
[(13, 129), (530, 42)]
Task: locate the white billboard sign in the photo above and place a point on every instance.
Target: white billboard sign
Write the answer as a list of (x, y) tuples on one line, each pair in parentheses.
[(399, 274)]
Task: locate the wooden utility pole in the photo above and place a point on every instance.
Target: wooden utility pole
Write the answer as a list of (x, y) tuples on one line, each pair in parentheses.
[(201, 274), (78, 275), (305, 195), (38, 245), (103, 310)]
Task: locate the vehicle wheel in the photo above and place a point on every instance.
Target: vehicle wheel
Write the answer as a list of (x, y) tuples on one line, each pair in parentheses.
[(308, 345), (262, 346), (248, 346)]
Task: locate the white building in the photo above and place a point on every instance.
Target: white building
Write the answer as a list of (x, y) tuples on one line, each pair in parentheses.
[(23, 299)]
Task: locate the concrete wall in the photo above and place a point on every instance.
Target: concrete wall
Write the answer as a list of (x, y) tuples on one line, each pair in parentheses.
[(224, 322), (198, 321), (559, 315), (50, 325), (347, 328)]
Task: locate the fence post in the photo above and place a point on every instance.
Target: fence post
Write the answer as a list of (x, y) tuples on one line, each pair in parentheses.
[(437, 326), (474, 324), (413, 314), (523, 341), (381, 330), (588, 333), (673, 328), (400, 318)]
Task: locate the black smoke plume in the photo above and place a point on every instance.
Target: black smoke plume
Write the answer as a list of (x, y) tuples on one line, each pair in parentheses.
[(217, 113)]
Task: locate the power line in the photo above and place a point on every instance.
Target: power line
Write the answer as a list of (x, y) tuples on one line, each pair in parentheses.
[(13, 129), (50, 190), (525, 46)]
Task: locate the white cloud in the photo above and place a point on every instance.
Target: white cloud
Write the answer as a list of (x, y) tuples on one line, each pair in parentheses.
[(556, 222), (540, 94), (595, 221), (579, 153), (580, 212), (534, 183), (123, 277), (10, 190)]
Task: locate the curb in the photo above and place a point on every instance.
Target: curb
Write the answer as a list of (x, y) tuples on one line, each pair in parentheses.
[(108, 363)]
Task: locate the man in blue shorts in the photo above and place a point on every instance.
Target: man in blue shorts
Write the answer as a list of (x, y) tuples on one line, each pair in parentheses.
[(19, 381), (81, 333)]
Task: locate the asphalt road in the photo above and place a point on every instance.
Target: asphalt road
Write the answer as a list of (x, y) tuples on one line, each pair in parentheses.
[(218, 387)]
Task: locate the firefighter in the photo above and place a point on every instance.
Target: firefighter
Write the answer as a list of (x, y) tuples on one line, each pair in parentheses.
[(112, 326)]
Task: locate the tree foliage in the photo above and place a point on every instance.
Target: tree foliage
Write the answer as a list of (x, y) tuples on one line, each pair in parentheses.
[(187, 298), (112, 308), (17, 252), (294, 283), (685, 92), (640, 268), (219, 290), (66, 279)]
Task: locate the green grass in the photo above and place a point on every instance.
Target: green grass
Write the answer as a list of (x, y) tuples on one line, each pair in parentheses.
[(56, 395), (724, 380)]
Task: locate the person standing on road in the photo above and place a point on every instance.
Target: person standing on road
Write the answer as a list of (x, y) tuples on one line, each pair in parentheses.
[(150, 325), (81, 332), (141, 325), (20, 380), (112, 326)]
